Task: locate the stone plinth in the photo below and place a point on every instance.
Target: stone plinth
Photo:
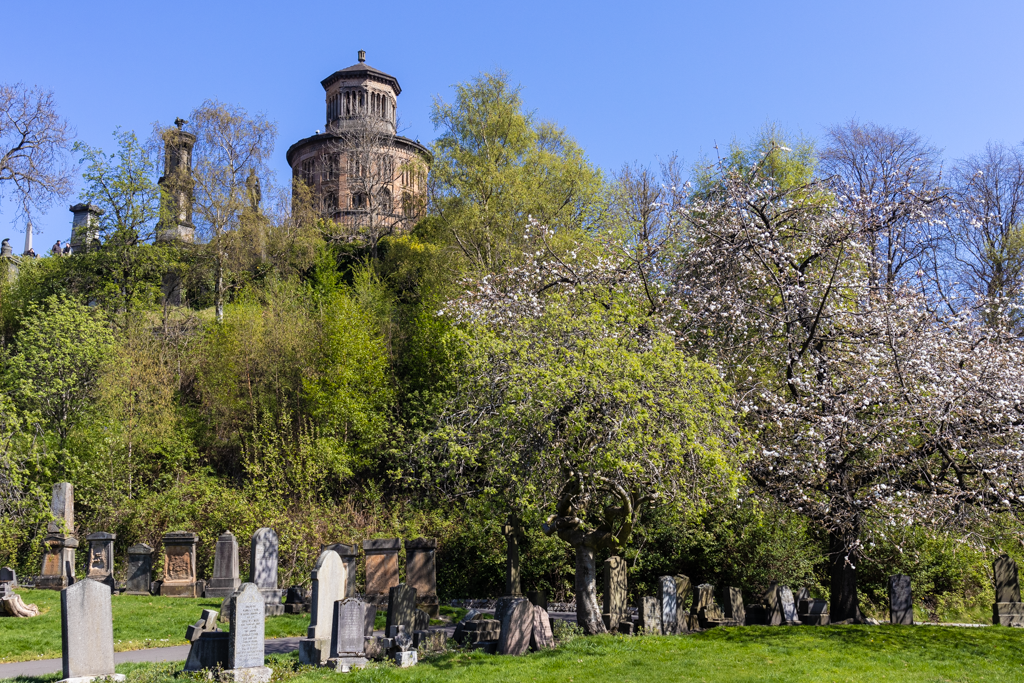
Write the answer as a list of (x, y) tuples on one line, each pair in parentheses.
[(87, 632), (179, 564), (140, 569), (58, 562), (225, 580), (421, 573), (101, 558), (381, 568)]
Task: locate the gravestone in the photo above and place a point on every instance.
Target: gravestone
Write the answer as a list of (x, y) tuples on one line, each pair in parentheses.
[(179, 564), (263, 569), (734, 609), (87, 632), (802, 593), (140, 569), (371, 618), (9, 576), (1007, 609), (788, 604), (682, 592), (295, 600), (62, 507), (541, 638), (421, 573), (225, 580), (101, 558), (349, 555), (615, 593), (901, 603), (348, 635), (209, 646), (772, 606), (401, 607), (329, 583), (58, 562), (381, 567), (246, 639), (667, 602), (813, 612), (516, 628), (538, 598), (421, 622), (401, 647), (649, 615)]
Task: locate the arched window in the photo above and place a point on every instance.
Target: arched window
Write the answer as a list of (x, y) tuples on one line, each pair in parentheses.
[(359, 200), (384, 202), (330, 201)]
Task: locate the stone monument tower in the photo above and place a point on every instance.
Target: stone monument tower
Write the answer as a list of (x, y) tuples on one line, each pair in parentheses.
[(176, 184), (360, 171), (84, 227)]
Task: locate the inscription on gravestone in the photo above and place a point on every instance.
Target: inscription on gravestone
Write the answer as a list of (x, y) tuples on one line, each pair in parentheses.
[(347, 640), (246, 643)]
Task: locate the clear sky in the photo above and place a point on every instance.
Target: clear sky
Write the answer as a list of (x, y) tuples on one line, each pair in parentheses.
[(631, 81)]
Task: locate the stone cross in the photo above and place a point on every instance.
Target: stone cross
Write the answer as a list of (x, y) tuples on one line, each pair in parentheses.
[(101, 557), (421, 574), (901, 603), (246, 642), (615, 593), (511, 533), (667, 602), (381, 565), (329, 582), (179, 564), (401, 607), (140, 569), (87, 632), (348, 641), (225, 580)]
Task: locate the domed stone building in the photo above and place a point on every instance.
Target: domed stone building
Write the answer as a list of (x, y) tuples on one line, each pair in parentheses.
[(359, 172)]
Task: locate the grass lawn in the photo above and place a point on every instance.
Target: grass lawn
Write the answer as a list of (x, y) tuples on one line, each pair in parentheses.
[(755, 653), (140, 621)]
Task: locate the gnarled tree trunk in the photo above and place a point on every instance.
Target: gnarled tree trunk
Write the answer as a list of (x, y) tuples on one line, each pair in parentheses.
[(588, 612), (843, 574)]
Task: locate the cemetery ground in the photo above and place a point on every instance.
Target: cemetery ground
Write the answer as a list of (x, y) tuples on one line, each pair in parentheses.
[(752, 653)]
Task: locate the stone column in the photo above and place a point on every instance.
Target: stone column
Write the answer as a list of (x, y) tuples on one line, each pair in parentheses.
[(901, 603), (101, 558), (381, 568), (225, 579), (421, 573), (62, 506), (58, 562), (179, 564), (140, 570)]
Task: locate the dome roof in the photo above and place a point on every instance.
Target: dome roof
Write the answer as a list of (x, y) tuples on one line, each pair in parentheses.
[(362, 70)]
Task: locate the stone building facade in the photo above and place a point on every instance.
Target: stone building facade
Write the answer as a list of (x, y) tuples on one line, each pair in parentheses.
[(359, 171)]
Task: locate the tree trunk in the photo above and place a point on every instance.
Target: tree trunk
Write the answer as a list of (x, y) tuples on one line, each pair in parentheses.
[(218, 297), (511, 532), (588, 612), (843, 573)]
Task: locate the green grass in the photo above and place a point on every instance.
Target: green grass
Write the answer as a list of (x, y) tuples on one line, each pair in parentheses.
[(140, 621), (839, 653)]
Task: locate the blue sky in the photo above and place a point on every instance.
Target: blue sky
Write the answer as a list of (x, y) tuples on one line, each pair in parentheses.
[(631, 81)]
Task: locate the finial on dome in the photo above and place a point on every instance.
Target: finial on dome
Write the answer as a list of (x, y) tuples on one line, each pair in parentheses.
[(362, 56)]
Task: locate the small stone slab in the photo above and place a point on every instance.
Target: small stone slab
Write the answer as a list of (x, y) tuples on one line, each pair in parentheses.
[(901, 603), (405, 658), (541, 637), (649, 610), (402, 606), (516, 627), (626, 628), (209, 651)]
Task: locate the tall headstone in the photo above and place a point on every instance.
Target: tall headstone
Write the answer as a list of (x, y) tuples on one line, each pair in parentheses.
[(542, 637), (516, 628), (401, 607), (772, 606), (263, 568), (381, 567), (101, 558), (225, 580), (348, 641), (140, 569), (1007, 610), (734, 608), (58, 562), (683, 586), (349, 554), (667, 602), (87, 632), (615, 593), (62, 507), (421, 573), (329, 582), (246, 640), (649, 615), (788, 603), (901, 603), (179, 564)]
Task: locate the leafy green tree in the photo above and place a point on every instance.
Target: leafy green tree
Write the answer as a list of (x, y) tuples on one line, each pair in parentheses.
[(57, 360)]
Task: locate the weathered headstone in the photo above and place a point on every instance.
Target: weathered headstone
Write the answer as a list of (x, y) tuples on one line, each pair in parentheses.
[(263, 569), (140, 569), (421, 622), (179, 564), (813, 612), (401, 607), (348, 635), (246, 640), (682, 593), (62, 507), (649, 615), (421, 573), (802, 593), (516, 628), (1007, 609), (295, 600), (87, 632), (772, 606), (209, 646), (225, 580), (401, 647), (615, 592), (58, 562), (541, 638), (101, 558), (349, 555), (901, 603), (371, 619), (9, 577), (381, 567), (329, 583), (734, 609), (667, 602), (788, 605)]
